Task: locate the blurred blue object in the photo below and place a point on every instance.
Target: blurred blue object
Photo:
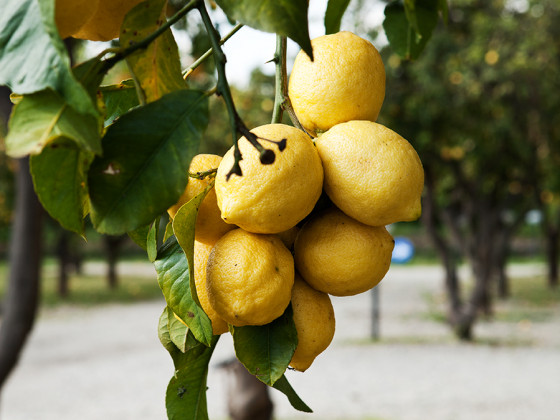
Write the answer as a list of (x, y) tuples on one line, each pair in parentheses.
[(403, 251)]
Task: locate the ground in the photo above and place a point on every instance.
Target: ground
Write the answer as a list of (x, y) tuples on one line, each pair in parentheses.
[(106, 363)]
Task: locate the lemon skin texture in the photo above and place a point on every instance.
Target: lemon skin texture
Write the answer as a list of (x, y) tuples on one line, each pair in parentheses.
[(105, 24), (249, 278), (371, 173), (315, 323), (209, 225), (340, 256), (71, 15), (346, 81), (201, 253), (271, 198)]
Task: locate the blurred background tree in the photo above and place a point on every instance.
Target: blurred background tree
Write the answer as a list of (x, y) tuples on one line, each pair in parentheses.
[(479, 106)]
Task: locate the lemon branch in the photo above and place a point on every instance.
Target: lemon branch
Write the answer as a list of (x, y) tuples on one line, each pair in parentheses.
[(281, 99), (280, 79), (124, 52), (208, 53), (237, 125)]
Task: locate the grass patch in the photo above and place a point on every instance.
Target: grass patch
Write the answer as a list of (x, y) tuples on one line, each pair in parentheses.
[(534, 291), (531, 300), (90, 290)]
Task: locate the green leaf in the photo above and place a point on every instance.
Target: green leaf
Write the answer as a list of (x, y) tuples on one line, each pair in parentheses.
[(146, 154), (333, 15), (283, 17), (400, 32), (118, 99), (183, 227), (157, 68), (168, 231), (173, 276), (33, 58), (284, 386), (152, 244), (266, 351), (186, 393), (40, 118), (60, 176), (140, 236), (163, 333), (178, 331)]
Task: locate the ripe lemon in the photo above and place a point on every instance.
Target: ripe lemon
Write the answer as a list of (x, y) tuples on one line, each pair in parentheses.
[(71, 15), (209, 225), (341, 256), (271, 198), (315, 323), (105, 24), (371, 173), (201, 253), (346, 81), (249, 278)]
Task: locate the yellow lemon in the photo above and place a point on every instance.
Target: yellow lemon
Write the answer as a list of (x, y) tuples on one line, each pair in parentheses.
[(249, 278), (209, 225), (71, 15), (315, 323), (344, 82), (341, 256), (371, 173), (288, 237), (271, 198), (105, 24), (201, 253)]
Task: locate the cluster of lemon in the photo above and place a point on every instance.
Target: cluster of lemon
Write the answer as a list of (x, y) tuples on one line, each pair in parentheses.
[(261, 239), (96, 20)]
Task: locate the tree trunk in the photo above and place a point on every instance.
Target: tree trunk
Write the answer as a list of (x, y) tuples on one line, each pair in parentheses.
[(444, 250), (63, 254), (248, 398), (552, 248), (112, 248), (22, 295)]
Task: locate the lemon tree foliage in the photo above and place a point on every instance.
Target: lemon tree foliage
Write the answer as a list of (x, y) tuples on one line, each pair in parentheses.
[(127, 190), (409, 24), (158, 67), (284, 17), (33, 57), (120, 155)]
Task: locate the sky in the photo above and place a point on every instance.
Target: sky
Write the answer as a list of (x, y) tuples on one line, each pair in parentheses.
[(250, 48)]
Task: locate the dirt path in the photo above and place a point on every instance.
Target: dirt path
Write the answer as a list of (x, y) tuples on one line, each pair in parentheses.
[(106, 363)]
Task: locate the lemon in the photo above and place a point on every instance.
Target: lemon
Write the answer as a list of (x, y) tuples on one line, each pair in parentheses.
[(341, 256), (209, 225), (315, 323), (271, 198), (288, 237), (201, 253), (371, 173), (344, 82), (105, 23), (249, 278), (71, 15)]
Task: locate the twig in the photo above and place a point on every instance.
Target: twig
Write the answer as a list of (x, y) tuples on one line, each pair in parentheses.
[(143, 43), (208, 53), (280, 79), (267, 156)]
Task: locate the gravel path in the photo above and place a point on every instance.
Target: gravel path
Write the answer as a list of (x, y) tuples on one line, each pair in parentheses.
[(106, 363)]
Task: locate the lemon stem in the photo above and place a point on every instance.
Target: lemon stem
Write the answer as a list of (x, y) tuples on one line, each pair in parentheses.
[(280, 80), (208, 53), (236, 124), (281, 99)]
